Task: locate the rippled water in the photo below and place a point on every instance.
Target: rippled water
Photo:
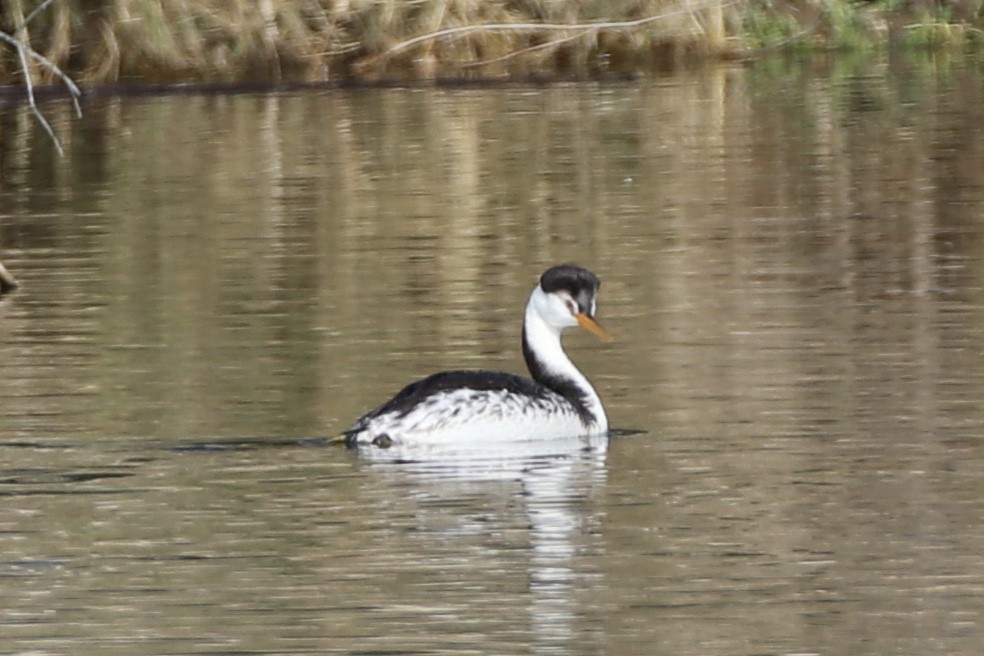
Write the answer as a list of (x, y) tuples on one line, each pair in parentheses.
[(212, 287)]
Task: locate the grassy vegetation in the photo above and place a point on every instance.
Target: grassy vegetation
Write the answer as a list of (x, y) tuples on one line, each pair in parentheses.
[(847, 25), (162, 41)]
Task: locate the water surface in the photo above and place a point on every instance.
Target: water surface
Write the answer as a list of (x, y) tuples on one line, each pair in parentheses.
[(212, 286)]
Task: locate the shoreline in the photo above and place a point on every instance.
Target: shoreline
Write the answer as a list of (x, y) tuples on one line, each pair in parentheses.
[(157, 43)]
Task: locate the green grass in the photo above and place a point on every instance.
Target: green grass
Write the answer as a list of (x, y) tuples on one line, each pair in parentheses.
[(843, 25)]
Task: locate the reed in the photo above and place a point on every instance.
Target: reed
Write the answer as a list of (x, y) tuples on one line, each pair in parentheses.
[(104, 41), (161, 41)]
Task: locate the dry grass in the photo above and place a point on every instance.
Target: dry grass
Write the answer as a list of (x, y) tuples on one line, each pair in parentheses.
[(234, 40), (161, 41)]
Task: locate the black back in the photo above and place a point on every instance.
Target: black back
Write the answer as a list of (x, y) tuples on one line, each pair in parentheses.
[(414, 393)]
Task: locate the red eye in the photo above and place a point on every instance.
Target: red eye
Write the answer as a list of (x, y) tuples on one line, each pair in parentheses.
[(571, 307)]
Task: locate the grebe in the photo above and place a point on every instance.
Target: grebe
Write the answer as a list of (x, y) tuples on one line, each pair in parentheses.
[(483, 406)]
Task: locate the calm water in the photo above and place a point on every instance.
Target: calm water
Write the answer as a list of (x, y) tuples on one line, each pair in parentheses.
[(793, 264)]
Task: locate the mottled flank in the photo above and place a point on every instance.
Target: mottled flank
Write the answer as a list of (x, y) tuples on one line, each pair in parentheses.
[(456, 401)]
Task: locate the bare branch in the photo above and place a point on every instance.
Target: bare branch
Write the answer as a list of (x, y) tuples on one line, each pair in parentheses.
[(29, 84), (580, 28), (525, 51), (69, 83), (23, 52)]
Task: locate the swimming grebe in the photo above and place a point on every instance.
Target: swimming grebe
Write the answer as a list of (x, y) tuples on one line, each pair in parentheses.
[(487, 405)]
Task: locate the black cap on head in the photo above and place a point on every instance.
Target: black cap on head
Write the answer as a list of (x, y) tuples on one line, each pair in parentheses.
[(581, 284)]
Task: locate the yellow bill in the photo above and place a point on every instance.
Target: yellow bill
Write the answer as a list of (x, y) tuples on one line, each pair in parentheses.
[(593, 326)]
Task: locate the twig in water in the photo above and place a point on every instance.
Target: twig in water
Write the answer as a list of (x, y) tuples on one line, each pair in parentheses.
[(7, 281), (25, 51)]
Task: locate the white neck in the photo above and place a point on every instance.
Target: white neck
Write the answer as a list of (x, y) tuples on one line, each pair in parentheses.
[(543, 340)]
